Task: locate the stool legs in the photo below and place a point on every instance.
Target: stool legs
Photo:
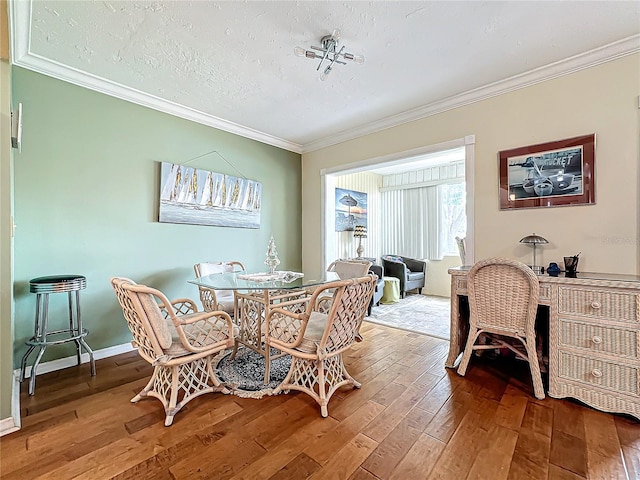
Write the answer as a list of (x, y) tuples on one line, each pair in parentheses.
[(80, 339), (39, 339)]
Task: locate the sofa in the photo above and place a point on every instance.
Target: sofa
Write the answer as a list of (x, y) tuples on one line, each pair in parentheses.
[(412, 273), (379, 287)]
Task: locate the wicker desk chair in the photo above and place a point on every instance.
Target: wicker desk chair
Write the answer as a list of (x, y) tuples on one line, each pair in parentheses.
[(213, 300), (316, 340), (177, 340), (503, 300)]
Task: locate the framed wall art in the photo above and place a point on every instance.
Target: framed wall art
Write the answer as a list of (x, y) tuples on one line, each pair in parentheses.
[(549, 174), (200, 197), (351, 209)]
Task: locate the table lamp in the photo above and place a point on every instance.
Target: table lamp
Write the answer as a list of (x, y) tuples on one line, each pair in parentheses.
[(534, 240), (360, 232)]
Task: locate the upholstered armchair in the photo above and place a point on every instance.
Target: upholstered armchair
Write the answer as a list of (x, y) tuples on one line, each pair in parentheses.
[(412, 273)]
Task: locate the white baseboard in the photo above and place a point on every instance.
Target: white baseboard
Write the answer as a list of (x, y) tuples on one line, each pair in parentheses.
[(12, 424), (66, 362)]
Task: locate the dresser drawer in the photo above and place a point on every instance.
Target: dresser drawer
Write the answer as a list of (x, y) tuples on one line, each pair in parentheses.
[(599, 339), (608, 375), (461, 285), (603, 304), (545, 294)]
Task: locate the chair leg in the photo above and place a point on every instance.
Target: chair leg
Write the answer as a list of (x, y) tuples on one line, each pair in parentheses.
[(350, 379), (171, 409), (302, 376), (267, 363), (532, 356), (322, 390), (217, 384), (148, 387), (192, 379), (466, 354), (235, 349)]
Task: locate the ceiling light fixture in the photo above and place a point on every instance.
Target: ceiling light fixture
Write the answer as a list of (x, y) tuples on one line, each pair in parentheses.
[(329, 52)]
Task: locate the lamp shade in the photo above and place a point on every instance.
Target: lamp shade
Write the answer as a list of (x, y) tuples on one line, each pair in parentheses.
[(360, 231), (533, 238)]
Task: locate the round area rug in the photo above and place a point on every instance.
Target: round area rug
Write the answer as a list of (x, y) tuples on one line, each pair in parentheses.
[(244, 374)]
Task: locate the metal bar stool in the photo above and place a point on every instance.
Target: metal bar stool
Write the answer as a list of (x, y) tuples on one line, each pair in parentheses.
[(42, 287)]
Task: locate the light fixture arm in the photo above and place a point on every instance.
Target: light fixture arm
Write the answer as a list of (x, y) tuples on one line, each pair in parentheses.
[(330, 53)]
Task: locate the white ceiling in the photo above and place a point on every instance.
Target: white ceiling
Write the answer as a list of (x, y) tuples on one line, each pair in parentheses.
[(231, 64)]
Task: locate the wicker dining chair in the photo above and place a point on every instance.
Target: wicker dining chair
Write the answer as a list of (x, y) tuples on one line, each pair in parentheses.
[(349, 268), (213, 300), (316, 340), (344, 269), (177, 340), (503, 302)]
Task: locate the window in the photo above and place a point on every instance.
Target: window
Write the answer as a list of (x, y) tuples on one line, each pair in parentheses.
[(454, 217)]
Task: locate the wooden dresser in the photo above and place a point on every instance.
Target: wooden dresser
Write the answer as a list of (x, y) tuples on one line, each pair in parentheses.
[(594, 337)]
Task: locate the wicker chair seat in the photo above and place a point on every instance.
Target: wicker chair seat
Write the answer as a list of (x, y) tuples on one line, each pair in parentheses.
[(226, 301), (313, 333)]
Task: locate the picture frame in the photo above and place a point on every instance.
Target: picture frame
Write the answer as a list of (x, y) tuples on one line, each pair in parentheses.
[(552, 174), (350, 209), (201, 197)]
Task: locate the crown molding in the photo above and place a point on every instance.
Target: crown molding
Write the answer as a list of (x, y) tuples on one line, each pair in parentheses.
[(597, 56), (20, 21), (20, 15)]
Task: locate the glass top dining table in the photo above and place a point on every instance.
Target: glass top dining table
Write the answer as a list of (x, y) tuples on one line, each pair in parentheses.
[(263, 281), (255, 294)]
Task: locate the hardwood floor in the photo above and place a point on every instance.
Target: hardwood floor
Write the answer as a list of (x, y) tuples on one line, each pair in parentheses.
[(412, 419)]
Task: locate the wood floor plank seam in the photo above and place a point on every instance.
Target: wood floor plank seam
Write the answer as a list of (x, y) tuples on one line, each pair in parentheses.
[(412, 419)]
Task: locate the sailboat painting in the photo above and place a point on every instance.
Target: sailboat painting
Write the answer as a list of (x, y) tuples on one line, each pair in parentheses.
[(200, 197)]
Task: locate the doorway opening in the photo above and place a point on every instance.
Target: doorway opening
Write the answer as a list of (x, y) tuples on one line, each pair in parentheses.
[(447, 166)]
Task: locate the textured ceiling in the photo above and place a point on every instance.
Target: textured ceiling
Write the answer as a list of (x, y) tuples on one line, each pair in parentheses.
[(231, 64)]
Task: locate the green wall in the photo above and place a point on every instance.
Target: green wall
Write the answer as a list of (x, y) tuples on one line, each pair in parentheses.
[(86, 200)]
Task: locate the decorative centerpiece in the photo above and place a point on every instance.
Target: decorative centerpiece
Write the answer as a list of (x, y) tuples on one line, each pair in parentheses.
[(272, 260)]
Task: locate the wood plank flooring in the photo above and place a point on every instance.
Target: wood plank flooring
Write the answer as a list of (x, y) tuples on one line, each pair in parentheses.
[(412, 419)]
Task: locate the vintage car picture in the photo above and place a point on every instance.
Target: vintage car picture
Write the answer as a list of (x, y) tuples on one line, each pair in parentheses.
[(548, 174)]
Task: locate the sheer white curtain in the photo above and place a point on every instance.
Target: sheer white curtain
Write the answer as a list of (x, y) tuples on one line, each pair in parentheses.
[(411, 223)]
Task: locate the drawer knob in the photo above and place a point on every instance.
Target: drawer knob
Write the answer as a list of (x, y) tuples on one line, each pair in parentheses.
[(596, 339), (596, 373), (596, 305)]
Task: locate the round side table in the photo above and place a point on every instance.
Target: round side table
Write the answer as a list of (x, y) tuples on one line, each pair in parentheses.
[(391, 291), (42, 287)]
